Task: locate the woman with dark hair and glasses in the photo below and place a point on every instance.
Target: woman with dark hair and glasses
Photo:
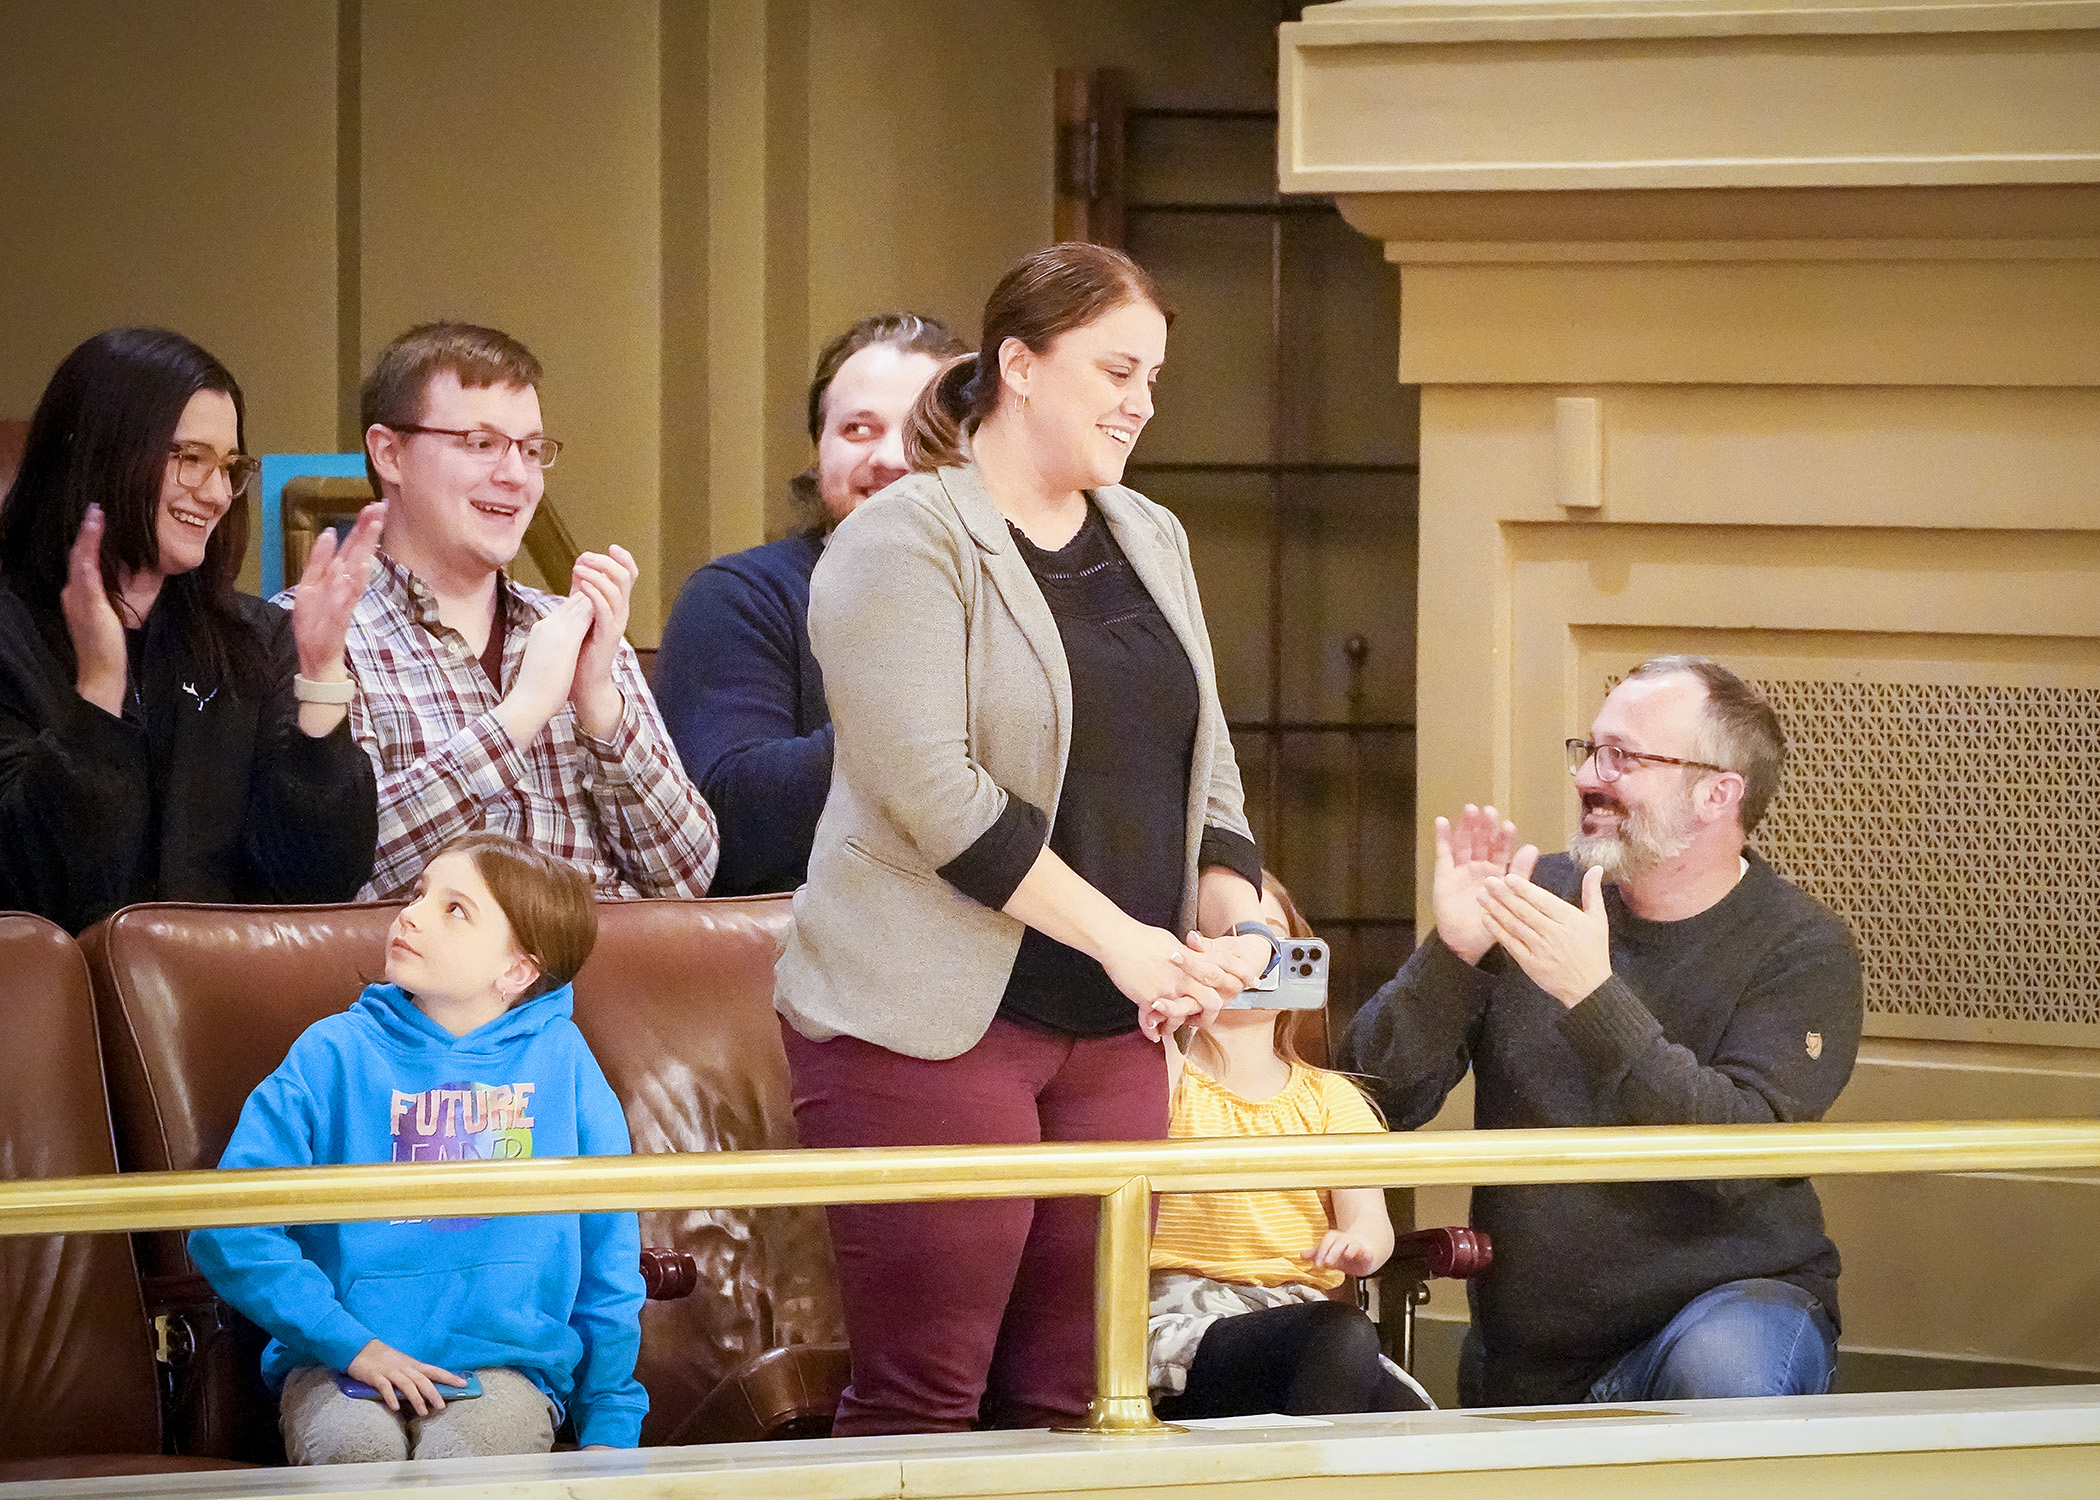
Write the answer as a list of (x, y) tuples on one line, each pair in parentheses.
[(736, 679), (161, 736)]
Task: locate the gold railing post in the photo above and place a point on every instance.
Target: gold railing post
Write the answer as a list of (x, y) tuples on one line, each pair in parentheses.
[(1122, 1402)]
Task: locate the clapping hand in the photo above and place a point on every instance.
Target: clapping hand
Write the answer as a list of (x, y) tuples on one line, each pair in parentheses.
[(1564, 949), (102, 666), (1467, 857), (328, 592), (606, 579), (548, 671)]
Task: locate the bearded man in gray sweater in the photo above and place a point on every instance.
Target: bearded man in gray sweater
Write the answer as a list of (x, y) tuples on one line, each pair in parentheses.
[(1658, 973)]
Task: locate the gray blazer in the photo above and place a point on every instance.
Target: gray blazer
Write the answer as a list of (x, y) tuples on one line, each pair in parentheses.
[(949, 692)]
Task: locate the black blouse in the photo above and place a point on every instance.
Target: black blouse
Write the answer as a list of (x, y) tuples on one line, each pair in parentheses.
[(1122, 811)]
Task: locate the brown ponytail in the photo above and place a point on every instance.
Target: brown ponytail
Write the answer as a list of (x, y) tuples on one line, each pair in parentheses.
[(1044, 296), (934, 433)]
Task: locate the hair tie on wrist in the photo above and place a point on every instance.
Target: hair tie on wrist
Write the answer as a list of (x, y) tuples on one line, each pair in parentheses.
[(306, 690)]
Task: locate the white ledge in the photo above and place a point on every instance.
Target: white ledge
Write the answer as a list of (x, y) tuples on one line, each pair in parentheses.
[(1363, 1447)]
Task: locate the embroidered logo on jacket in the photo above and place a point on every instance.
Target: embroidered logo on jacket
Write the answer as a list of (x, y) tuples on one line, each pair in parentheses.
[(1815, 1044)]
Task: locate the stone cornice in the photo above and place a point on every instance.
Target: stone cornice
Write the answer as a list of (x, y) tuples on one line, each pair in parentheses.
[(1549, 95)]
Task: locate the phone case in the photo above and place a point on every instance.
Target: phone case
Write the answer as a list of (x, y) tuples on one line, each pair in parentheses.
[(357, 1390), (1298, 983)]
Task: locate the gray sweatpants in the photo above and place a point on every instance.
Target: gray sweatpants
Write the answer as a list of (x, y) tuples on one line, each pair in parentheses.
[(323, 1426)]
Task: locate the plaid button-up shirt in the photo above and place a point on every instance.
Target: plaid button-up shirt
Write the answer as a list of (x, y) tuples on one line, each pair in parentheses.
[(621, 810)]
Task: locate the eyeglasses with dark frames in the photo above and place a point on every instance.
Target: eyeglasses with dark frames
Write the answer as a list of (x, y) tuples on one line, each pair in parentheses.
[(482, 443), (195, 466), (1612, 760)]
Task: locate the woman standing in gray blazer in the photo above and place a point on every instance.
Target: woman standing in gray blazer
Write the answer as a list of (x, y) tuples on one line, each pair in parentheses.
[(1035, 817)]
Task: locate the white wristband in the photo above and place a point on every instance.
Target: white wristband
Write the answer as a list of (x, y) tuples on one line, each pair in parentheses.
[(306, 690)]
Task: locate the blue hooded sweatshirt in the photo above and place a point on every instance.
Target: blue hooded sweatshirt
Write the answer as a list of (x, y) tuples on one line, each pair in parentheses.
[(556, 1297)]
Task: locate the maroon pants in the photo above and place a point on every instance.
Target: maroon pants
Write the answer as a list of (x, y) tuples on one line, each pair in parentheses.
[(957, 1308)]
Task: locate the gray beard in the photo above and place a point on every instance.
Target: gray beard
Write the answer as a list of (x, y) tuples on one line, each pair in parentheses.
[(1648, 838)]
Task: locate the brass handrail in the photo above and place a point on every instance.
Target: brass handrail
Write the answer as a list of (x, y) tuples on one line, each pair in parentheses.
[(1123, 1175)]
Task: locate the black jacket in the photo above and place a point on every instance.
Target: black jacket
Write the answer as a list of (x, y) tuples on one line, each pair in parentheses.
[(195, 794)]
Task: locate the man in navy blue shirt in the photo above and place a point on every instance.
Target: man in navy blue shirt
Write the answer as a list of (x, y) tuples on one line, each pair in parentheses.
[(735, 679)]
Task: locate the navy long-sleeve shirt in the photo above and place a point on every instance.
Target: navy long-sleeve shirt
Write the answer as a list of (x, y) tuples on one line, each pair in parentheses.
[(744, 699)]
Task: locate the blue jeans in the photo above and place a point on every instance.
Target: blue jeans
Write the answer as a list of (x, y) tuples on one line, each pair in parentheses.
[(1743, 1338)]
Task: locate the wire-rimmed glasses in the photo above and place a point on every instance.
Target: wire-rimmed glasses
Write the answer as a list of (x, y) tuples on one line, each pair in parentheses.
[(1613, 760), (490, 446)]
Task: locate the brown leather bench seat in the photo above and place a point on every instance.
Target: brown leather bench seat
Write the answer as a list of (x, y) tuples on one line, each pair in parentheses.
[(77, 1383), (197, 1004)]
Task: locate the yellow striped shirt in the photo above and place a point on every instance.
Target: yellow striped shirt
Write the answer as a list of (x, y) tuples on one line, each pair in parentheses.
[(1257, 1238)]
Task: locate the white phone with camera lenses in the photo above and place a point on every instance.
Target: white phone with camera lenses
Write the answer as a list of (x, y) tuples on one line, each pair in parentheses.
[(1298, 982)]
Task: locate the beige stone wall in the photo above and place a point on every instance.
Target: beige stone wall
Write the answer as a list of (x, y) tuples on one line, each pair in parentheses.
[(673, 205), (1831, 278), (190, 166), (930, 130), (510, 176), (173, 165)]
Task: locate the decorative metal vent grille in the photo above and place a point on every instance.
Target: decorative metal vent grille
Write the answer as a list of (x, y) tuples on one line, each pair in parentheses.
[(1957, 828)]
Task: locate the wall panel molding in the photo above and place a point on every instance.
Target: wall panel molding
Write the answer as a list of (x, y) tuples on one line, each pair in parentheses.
[(1824, 321)]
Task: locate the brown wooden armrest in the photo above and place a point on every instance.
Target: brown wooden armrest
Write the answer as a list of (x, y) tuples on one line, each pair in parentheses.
[(213, 1401), (1429, 1253), (791, 1392), (668, 1274)]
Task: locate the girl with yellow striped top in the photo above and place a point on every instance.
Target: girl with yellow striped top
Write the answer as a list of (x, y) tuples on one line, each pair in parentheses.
[(1241, 1317)]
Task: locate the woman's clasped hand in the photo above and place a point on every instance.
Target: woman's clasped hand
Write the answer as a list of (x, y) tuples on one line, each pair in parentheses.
[(1175, 983)]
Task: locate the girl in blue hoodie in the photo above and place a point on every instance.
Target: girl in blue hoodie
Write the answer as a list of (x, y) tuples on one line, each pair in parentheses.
[(466, 1052)]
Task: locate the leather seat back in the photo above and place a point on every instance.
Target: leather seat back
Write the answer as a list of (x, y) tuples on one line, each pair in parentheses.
[(76, 1355), (677, 1004), (198, 1005)]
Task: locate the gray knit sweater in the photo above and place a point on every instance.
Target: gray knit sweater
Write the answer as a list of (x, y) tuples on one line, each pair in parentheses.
[(1748, 1012)]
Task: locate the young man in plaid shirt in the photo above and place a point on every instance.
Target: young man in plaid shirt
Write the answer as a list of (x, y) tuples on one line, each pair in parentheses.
[(482, 702)]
